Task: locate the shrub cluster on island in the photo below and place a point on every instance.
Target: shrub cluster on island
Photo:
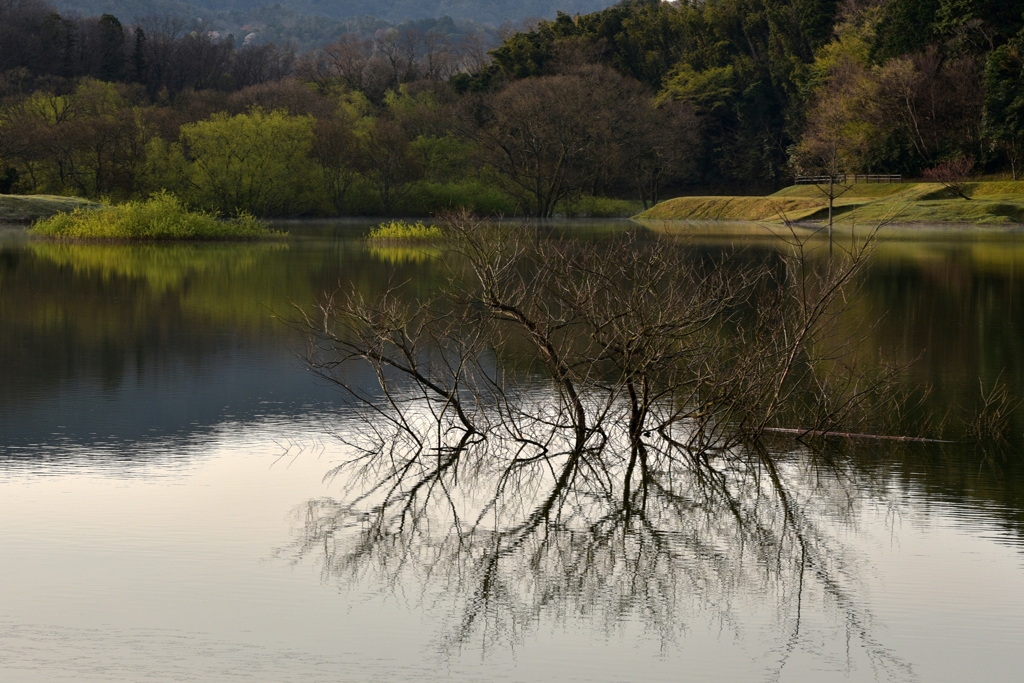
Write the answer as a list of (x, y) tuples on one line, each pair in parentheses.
[(402, 231), (162, 217)]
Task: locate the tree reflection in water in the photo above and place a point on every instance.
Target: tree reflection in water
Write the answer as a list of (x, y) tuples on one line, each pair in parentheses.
[(584, 430), (700, 546)]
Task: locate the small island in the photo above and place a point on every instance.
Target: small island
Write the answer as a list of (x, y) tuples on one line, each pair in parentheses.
[(401, 231), (161, 217)]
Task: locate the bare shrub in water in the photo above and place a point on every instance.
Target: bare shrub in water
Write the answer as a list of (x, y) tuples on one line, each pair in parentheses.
[(559, 397), (546, 359)]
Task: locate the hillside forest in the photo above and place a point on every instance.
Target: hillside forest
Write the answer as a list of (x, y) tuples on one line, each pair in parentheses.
[(635, 102), (306, 20)]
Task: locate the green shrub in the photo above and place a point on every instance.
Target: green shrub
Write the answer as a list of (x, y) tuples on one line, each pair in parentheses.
[(162, 217), (406, 232), (480, 197), (589, 206)]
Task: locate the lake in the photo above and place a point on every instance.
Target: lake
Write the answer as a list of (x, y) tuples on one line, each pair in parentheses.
[(166, 514)]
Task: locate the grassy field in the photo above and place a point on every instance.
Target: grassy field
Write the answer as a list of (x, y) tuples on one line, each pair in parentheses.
[(991, 204), (15, 208)]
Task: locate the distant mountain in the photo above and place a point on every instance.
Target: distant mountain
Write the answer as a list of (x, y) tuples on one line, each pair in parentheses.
[(492, 12)]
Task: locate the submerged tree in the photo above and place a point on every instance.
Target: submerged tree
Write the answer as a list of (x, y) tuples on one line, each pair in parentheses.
[(558, 398), (548, 359), (837, 133)]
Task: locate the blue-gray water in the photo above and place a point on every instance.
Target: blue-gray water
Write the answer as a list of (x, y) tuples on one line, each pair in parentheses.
[(160, 446)]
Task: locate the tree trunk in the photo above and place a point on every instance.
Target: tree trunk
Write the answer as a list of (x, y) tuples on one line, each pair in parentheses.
[(831, 199)]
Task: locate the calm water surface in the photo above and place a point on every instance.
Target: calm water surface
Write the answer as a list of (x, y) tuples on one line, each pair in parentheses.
[(162, 452)]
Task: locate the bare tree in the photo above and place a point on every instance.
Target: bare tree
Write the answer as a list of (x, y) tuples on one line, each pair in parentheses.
[(953, 174), (473, 55), (389, 47), (439, 61), (389, 161), (409, 41), (255, 64), (835, 137), (336, 148), (935, 104), (342, 62), (559, 395), (651, 363), (664, 147), (159, 43), (553, 136)]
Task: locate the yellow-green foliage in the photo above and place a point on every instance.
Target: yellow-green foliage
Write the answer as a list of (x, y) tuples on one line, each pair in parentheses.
[(256, 162), (211, 283), (163, 267), (400, 255), (400, 230), (162, 217)]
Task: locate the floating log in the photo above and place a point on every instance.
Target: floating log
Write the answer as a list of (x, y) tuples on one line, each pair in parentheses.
[(850, 435)]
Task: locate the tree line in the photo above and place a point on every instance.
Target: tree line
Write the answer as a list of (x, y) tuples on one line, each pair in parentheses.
[(630, 102)]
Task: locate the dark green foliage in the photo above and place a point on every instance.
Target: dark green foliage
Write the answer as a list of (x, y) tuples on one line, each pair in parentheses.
[(1004, 101), (735, 61), (1001, 18), (909, 26), (111, 48), (906, 27), (8, 177)]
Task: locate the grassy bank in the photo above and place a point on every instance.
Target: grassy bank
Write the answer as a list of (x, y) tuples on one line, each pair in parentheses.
[(162, 217), (991, 204), (17, 208)]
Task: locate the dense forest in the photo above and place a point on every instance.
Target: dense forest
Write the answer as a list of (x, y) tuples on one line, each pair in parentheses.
[(494, 12), (635, 101), (282, 24)]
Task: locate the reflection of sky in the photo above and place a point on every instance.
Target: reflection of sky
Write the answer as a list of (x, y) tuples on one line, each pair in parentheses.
[(168, 572), (170, 399), (138, 520)]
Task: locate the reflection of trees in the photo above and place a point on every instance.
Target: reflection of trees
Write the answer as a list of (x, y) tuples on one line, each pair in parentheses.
[(700, 547), (575, 424), (96, 311)]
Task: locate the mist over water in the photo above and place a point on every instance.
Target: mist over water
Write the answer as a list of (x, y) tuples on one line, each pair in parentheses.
[(164, 513)]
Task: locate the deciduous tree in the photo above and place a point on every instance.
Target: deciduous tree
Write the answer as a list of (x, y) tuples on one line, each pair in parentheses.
[(257, 162)]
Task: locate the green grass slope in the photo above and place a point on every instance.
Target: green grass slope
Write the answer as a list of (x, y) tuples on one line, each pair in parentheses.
[(16, 208), (731, 209), (991, 204)]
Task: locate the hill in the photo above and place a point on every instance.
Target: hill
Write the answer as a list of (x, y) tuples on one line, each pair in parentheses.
[(493, 12), (991, 204)]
